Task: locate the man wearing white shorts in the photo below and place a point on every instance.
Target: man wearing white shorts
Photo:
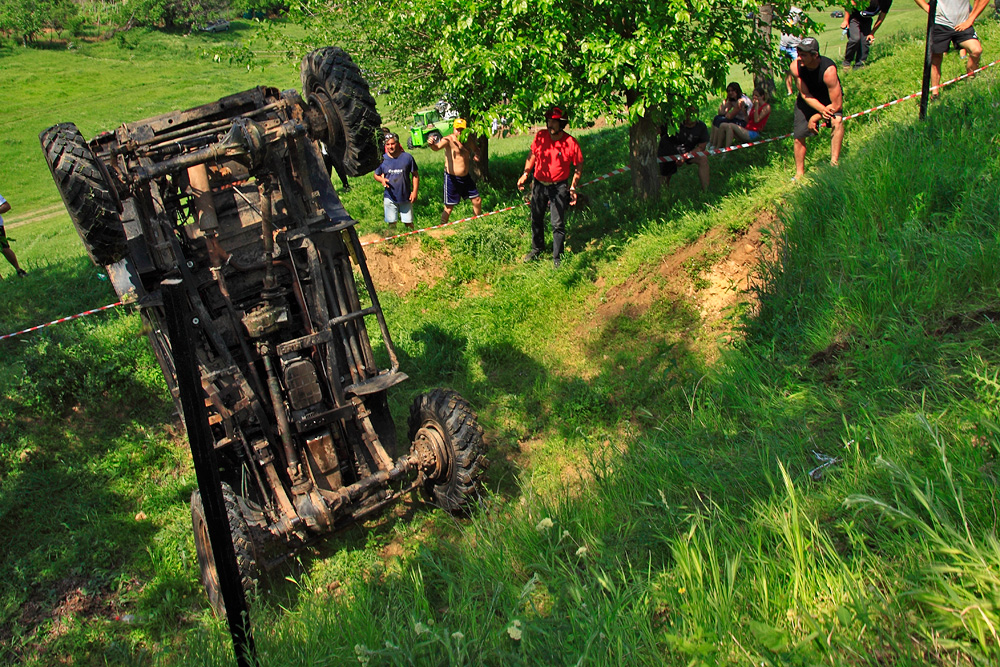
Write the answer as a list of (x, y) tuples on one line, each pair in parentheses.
[(398, 175)]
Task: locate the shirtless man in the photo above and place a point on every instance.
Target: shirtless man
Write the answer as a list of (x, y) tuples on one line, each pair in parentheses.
[(458, 183)]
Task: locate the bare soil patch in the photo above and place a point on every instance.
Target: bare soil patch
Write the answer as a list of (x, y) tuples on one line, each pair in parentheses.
[(401, 267), (716, 274)]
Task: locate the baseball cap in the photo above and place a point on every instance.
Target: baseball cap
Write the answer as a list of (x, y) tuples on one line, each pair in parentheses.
[(808, 45), (460, 124), (555, 113)]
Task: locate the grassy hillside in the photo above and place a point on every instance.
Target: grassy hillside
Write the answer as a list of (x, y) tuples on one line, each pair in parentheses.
[(650, 499)]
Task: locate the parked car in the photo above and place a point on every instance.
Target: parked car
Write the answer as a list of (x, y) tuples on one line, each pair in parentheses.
[(838, 14), (218, 25)]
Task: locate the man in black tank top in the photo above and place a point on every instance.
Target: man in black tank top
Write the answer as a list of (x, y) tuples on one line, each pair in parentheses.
[(820, 101)]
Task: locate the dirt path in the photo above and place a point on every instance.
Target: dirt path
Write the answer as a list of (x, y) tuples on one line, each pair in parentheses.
[(39, 214)]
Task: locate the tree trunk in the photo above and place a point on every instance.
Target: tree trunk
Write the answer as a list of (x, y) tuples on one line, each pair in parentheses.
[(481, 169), (763, 77), (642, 158)]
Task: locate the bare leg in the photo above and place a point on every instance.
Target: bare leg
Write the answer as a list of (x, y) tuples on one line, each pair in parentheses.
[(702, 162), (975, 50), (936, 59), (11, 257), (734, 131), (477, 205), (800, 158), (717, 136), (446, 213), (789, 80), (837, 141)]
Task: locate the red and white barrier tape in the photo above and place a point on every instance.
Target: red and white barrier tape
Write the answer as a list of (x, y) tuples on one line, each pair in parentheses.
[(917, 94), (681, 157), (60, 320), (443, 224)]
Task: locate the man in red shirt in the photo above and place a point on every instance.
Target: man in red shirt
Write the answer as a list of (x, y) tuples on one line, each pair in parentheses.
[(552, 154)]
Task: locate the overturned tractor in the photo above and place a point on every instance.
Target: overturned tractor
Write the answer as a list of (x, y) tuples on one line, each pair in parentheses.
[(234, 199)]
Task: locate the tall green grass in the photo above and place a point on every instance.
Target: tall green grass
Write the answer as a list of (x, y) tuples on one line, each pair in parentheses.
[(644, 506)]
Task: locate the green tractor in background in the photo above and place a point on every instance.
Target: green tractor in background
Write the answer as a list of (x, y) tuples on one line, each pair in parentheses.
[(426, 124)]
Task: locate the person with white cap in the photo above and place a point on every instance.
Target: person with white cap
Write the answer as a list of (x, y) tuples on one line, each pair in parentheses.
[(458, 182), (553, 153), (820, 101)]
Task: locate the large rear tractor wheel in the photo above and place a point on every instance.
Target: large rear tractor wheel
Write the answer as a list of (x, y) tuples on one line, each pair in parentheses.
[(90, 199), (443, 423), (333, 84), (246, 559)]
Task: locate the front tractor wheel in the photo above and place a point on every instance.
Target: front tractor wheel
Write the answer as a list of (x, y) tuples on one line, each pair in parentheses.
[(444, 428), (89, 196), (246, 559), (332, 83)]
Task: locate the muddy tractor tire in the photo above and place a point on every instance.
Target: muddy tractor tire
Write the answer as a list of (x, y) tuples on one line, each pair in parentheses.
[(246, 559), (89, 197), (332, 83), (447, 420)]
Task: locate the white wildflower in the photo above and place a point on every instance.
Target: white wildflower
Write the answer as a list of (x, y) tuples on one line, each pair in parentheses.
[(544, 524)]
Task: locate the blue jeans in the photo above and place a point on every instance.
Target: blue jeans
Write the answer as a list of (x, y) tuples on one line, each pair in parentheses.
[(394, 212)]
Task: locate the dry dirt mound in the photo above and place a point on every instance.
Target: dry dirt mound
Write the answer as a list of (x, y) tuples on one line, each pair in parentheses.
[(715, 273), (400, 266)]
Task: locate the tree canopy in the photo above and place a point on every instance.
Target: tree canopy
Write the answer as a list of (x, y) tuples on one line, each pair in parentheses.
[(632, 61), (26, 18)]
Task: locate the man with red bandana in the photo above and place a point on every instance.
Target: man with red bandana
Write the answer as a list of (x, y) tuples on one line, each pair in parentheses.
[(553, 153)]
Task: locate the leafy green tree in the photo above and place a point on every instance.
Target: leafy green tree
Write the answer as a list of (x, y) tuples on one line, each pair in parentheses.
[(631, 61), (26, 18), (170, 14)]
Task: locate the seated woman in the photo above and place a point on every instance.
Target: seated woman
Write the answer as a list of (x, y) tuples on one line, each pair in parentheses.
[(734, 109), (756, 120)]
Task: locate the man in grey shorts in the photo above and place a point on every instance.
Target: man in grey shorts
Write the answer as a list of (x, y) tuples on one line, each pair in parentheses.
[(820, 101), (953, 25)]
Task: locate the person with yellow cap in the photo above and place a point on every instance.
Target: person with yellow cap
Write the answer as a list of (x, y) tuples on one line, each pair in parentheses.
[(458, 158)]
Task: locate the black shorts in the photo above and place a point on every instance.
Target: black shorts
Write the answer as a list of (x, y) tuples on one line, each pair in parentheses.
[(4, 244), (800, 128), (942, 37)]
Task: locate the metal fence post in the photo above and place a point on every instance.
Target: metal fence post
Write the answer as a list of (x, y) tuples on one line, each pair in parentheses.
[(925, 85), (182, 326)]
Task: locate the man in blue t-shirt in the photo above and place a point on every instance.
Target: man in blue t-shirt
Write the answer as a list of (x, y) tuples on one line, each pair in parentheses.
[(398, 174)]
